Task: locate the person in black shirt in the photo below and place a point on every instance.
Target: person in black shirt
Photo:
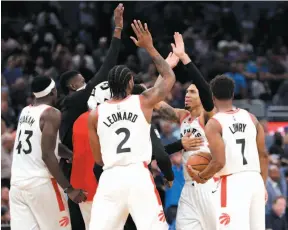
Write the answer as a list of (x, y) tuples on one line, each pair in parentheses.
[(75, 103)]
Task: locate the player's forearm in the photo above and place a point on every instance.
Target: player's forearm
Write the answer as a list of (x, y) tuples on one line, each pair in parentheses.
[(174, 147), (213, 167), (161, 156), (53, 166), (264, 161), (64, 151)]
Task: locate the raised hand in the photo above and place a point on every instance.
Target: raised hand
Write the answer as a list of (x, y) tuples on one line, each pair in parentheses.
[(144, 38), (118, 15), (172, 60), (178, 47)]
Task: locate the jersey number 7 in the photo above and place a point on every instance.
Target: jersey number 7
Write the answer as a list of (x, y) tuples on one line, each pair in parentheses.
[(242, 143)]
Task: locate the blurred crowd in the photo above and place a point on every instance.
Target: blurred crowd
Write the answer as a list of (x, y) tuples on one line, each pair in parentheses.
[(251, 49)]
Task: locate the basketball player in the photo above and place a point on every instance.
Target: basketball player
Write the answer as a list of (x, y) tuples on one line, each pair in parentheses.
[(36, 201), (197, 208), (120, 130), (159, 153), (237, 143), (75, 102)]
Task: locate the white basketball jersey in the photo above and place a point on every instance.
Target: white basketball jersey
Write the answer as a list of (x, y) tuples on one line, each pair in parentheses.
[(99, 94), (191, 125), (239, 135), (28, 168), (124, 133)]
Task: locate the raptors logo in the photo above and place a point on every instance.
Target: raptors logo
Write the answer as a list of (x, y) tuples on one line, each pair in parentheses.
[(64, 221), (224, 219)]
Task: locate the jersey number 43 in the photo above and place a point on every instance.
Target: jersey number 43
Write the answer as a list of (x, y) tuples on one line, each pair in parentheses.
[(19, 147)]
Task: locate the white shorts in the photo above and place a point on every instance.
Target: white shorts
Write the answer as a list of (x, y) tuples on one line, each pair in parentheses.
[(123, 190), (85, 208), (242, 201), (40, 208), (198, 207)]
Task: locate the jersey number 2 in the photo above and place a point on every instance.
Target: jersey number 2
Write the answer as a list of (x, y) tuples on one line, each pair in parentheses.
[(29, 134), (242, 143), (120, 148)]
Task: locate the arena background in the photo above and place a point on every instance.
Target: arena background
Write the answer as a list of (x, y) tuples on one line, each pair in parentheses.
[(245, 40)]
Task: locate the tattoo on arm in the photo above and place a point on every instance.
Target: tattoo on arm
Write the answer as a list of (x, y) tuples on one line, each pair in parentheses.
[(168, 113)]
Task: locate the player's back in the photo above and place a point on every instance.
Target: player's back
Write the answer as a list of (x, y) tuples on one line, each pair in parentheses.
[(239, 134), (28, 168), (124, 133)]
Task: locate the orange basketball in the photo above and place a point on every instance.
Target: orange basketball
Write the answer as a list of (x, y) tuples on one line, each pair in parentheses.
[(199, 161)]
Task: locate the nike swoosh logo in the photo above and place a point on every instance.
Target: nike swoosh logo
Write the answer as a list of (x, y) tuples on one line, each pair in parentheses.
[(214, 191)]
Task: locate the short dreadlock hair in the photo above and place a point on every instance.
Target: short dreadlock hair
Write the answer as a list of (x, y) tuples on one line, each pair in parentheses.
[(222, 87), (118, 79)]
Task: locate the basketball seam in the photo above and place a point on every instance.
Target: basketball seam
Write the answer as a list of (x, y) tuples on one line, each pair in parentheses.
[(201, 156), (198, 164)]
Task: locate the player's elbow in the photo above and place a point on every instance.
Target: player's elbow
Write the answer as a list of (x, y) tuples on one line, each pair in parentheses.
[(219, 163)]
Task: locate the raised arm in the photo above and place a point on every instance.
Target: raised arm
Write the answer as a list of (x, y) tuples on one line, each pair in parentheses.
[(113, 52), (195, 76), (93, 137), (50, 122), (157, 93)]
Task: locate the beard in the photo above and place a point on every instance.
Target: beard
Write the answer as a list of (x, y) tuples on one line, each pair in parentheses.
[(187, 107)]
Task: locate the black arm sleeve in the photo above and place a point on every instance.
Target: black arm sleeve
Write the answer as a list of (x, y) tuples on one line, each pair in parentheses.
[(81, 97), (174, 147), (97, 171), (161, 156), (205, 93)]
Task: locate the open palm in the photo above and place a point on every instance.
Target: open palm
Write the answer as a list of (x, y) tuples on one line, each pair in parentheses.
[(172, 60), (178, 47)]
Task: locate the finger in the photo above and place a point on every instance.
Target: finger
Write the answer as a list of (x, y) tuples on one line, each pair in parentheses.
[(146, 27), (135, 30), (134, 40), (169, 55), (193, 148), (140, 26), (137, 27), (173, 46), (187, 134)]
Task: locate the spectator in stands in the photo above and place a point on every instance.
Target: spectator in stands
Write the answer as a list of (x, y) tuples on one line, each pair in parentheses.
[(167, 133), (7, 140), (277, 147), (172, 194), (275, 186), (5, 215), (268, 138), (4, 196), (276, 219), (240, 90)]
